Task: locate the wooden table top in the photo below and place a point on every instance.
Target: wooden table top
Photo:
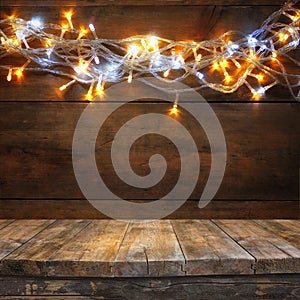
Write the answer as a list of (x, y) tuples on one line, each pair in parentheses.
[(108, 248)]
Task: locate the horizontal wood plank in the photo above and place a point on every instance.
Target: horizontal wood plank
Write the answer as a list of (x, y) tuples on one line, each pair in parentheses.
[(4, 223), (161, 248), (208, 250), (32, 257), (286, 229), (262, 164), (208, 287), (273, 254), (17, 233), (221, 209), (91, 253)]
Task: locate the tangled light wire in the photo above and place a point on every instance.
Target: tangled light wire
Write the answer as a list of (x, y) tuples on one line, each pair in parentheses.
[(258, 61)]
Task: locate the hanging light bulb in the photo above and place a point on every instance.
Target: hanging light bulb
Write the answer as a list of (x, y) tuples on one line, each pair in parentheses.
[(68, 15), (36, 22), (65, 86), (9, 75), (93, 30)]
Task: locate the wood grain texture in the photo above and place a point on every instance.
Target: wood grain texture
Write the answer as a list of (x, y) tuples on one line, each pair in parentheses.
[(263, 142), (91, 253), (17, 233), (286, 229), (4, 223), (208, 250), (162, 248), (32, 257), (273, 254), (200, 287), (36, 128), (220, 209), (149, 249)]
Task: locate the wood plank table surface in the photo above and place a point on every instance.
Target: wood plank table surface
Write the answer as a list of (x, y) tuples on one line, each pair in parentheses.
[(60, 254)]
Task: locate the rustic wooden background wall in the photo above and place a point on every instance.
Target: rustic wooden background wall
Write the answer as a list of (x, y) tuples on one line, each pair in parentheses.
[(37, 122)]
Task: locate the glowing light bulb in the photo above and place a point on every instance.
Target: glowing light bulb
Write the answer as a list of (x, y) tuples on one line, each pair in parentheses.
[(198, 57), (130, 77), (215, 66), (261, 91), (97, 61), (93, 30), (19, 73), (64, 28), (227, 78), (82, 67), (252, 42), (295, 18), (174, 110), (199, 75), (232, 48), (257, 94), (100, 87), (224, 63), (36, 22), (153, 43), (166, 73), (49, 43), (9, 75), (133, 50), (82, 33), (89, 95), (283, 37), (260, 77), (65, 86), (68, 15)]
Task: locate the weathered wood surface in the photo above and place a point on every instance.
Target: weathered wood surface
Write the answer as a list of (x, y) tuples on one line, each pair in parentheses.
[(36, 129), (286, 229), (91, 252), (33, 256), (263, 146), (183, 288), (206, 248), (149, 249), (15, 234), (221, 209), (273, 254), (106, 248)]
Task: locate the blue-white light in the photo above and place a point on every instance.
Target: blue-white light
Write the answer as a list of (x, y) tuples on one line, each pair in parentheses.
[(36, 22), (200, 75), (252, 42)]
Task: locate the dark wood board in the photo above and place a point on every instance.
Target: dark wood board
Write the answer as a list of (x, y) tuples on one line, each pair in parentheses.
[(220, 209), (183, 288), (262, 151)]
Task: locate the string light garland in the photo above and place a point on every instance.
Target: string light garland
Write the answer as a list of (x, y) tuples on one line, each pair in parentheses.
[(259, 60)]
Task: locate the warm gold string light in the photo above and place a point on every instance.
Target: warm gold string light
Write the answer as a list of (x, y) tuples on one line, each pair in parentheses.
[(258, 61)]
